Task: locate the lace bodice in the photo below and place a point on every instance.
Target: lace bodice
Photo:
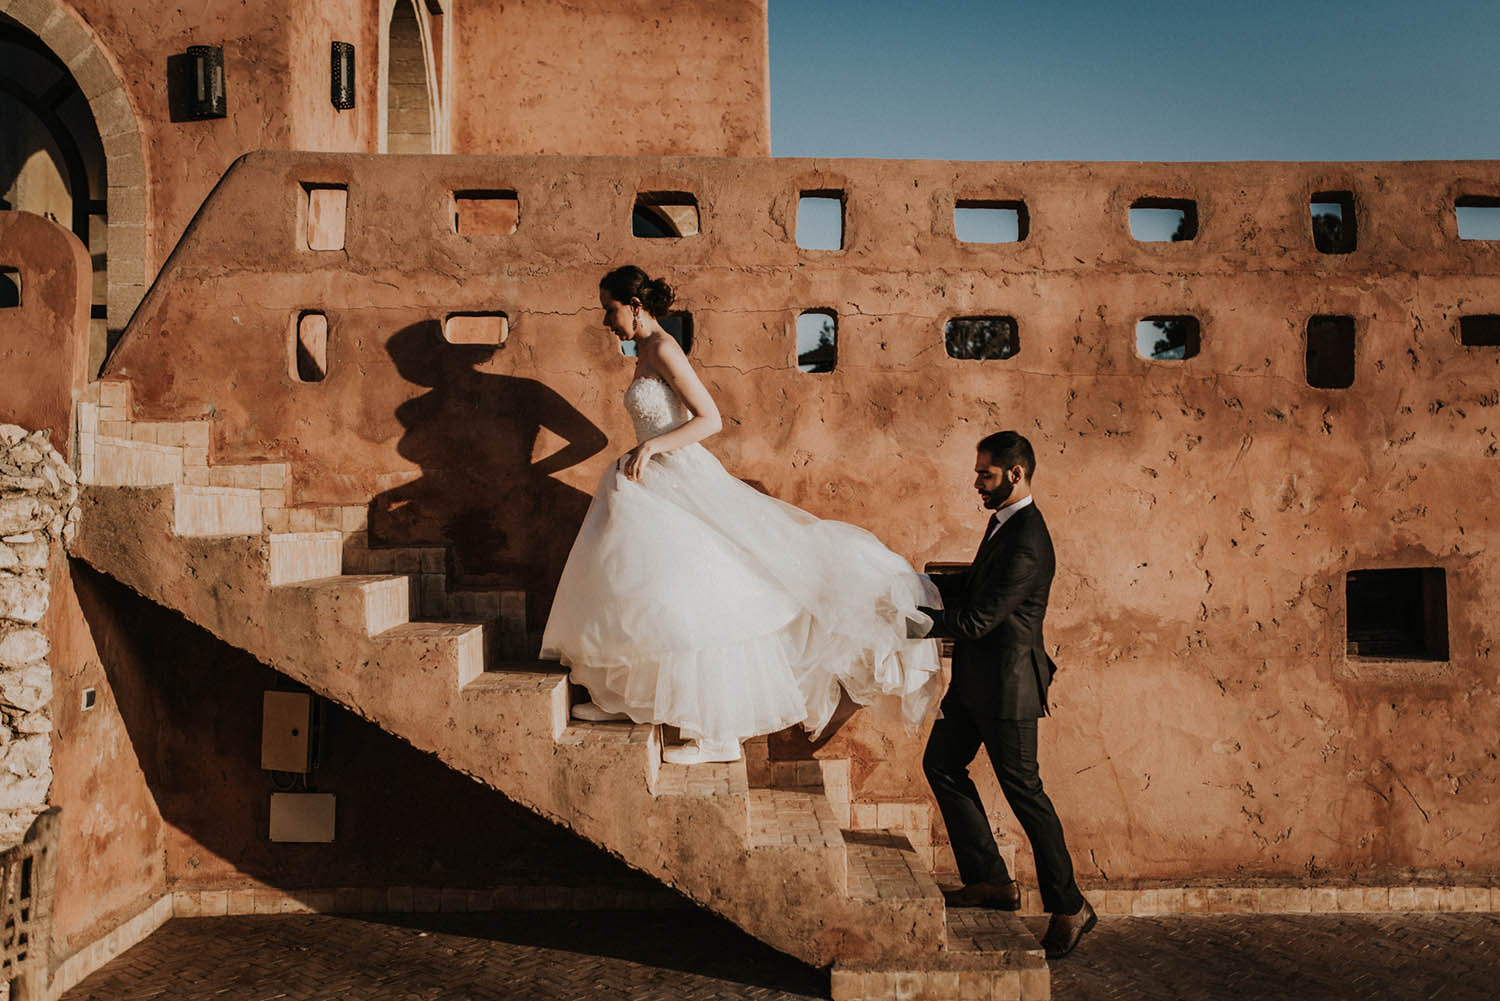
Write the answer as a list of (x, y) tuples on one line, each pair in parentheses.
[(654, 408)]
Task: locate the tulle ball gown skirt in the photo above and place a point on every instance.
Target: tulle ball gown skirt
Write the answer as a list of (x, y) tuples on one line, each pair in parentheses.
[(690, 598)]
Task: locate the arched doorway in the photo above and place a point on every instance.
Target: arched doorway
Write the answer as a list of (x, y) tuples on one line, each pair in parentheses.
[(51, 157), (54, 163), (411, 113)]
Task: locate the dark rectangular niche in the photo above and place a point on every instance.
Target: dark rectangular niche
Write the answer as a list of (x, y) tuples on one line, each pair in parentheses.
[(1168, 338), (982, 337), (664, 215), (1163, 220), (1333, 222), (1330, 352), (817, 340), (1397, 614), (990, 221), (1478, 217), (1479, 331), (10, 287)]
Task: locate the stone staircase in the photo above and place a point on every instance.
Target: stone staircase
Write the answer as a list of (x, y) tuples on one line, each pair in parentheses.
[(379, 632)]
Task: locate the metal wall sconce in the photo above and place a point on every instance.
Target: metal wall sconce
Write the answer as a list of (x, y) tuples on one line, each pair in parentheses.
[(342, 76), (205, 92)]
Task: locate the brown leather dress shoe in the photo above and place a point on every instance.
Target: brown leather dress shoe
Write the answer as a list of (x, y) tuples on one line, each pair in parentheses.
[(996, 896), (1064, 931)]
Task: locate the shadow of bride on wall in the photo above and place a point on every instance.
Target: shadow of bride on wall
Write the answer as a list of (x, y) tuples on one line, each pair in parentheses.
[(507, 518)]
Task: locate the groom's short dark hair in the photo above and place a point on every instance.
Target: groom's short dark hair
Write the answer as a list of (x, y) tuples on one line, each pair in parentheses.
[(1009, 448)]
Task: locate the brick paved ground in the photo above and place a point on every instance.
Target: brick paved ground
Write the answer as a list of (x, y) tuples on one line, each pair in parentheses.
[(1268, 957), (688, 955)]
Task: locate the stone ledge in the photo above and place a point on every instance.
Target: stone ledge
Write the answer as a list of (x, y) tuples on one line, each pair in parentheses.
[(1282, 899), (416, 899), (127, 934)]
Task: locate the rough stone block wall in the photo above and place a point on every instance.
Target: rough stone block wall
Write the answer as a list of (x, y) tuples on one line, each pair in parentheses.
[(1210, 719), (38, 494)]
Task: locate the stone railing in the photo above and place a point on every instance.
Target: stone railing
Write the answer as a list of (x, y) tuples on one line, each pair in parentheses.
[(38, 494)]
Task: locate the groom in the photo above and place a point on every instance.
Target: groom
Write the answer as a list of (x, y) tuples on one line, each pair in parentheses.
[(994, 611)]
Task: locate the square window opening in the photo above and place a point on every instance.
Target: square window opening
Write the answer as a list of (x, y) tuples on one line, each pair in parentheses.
[(981, 338), (820, 220), (310, 347), (1333, 222), (680, 326), (1330, 352), (326, 209), (662, 215), (483, 329), (1478, 217), (1163, 220), (1481, 331), (978, 221), (817, 340), (1168, 338), (486, 213), (1399, 614), (10, 287)]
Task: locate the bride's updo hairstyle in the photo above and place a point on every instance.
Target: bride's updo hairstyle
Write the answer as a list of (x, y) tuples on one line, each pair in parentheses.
[(630, 282)]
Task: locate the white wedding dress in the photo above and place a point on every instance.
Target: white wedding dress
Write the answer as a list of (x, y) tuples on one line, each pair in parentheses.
[(693, 599)]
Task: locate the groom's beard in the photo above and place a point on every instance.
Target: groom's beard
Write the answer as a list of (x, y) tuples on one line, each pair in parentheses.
[(995, 499)]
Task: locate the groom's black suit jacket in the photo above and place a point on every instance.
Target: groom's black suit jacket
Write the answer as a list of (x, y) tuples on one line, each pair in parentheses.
[(994, 613)]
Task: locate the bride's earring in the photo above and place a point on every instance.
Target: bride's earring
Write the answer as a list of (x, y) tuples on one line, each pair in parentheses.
[(636, 315)]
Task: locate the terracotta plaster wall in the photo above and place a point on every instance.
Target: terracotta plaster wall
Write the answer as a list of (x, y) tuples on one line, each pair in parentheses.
[(619, 77), (111, 859), (1207, 719), (528, 78), (41, 354)]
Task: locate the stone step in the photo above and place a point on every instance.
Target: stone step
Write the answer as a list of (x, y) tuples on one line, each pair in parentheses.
[(883, 864), (799, 820), (980, 929), (299, 556), (719, 780), (255, 476), (1010, 976), (543, 695), (216, 511), (119, 462), (622, 757), (451, 652), (374, 602)]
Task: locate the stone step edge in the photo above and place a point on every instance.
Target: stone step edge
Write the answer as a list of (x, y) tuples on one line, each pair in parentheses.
[(994, 976), (418, 899)]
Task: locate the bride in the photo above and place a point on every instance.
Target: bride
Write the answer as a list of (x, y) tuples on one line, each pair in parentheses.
[(690, 598)]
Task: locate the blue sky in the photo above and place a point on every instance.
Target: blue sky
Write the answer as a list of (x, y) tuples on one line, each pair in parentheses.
[(1147, 80)]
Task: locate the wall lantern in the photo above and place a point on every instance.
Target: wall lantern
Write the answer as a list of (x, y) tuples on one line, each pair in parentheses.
[(205, 90), (343, 75)]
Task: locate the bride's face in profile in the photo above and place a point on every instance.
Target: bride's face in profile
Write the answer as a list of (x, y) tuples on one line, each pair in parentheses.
[(619, 319)]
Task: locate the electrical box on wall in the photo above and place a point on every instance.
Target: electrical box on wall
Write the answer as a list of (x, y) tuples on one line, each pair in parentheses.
[(285, 727), (305, 817)]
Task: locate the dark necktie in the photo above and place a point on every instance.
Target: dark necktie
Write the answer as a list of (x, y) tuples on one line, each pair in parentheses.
[(989, 527)]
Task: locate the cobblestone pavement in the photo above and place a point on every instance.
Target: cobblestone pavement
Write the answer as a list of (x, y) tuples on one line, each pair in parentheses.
[(684, 954), (1269, 957)]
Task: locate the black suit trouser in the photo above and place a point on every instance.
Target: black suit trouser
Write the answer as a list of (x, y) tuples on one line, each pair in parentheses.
[(1011, 744)]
